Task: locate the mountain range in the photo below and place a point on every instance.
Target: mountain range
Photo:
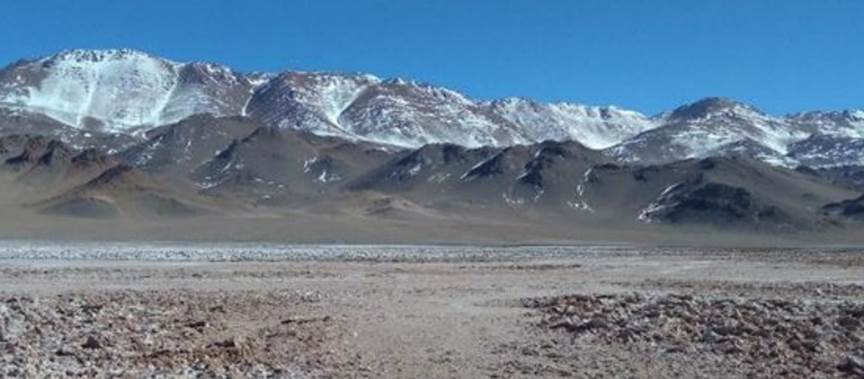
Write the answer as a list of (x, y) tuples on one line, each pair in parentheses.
[(123, 135)]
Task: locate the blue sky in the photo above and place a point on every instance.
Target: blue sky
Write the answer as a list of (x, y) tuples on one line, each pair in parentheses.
[(783, 55)]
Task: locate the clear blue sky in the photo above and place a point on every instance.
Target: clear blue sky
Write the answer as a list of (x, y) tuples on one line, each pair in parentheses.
[(783, 55)]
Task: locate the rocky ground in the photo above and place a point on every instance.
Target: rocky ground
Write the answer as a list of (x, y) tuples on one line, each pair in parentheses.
[(742, 337), (172, 333), (453, 312)]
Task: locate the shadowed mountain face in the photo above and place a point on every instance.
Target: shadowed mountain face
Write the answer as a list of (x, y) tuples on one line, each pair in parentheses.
[(178, 149), (272, 166), (845, 176), (710, 202), (48, 164), (123, 190), (737, 192), (570, 180), (850, 209), (544, 175), (58, 180)]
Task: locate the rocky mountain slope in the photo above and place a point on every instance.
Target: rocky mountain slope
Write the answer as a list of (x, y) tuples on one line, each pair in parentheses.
[(123, 93), (129, 92), (121, 90), (228, 167), (119, 134)]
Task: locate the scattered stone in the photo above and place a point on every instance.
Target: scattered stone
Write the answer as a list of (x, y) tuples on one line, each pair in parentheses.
[(92, 343), (91, 308), (306, 319), (226, 344), (162, 334), (852, 366), (764, 336), (61, 352), (197, 325)]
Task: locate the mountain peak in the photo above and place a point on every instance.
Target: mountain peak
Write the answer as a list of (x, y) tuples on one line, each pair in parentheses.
[(512, 100), (710, 106), (100, 55), (848, 117), (121, 90)]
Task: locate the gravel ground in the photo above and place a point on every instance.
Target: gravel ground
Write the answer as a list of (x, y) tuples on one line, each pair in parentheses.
[(245, 252), (167, 333), (742, 337), (182, 310)]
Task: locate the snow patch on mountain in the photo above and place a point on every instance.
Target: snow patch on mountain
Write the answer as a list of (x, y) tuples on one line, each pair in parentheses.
[(121, 90), (826, 151), (412, 114), (309, 101), (713, 126), (594, 127), (124, 87), (844, 124)]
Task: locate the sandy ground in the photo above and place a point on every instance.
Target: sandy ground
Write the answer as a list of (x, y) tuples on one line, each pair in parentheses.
[(463, 312)]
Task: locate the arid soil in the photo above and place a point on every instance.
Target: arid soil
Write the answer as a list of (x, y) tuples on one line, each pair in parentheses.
[(461, 312)]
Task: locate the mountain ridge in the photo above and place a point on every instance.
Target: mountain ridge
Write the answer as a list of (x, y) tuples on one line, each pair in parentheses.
[(118, 95)]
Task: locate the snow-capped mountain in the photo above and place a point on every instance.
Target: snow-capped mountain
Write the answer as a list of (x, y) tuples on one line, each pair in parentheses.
[(594, 127), (718, 126), (408, 113), (126, 91), (364, 107), (308, 101), (110, 93), (704, 128), (825, 151), (121, 90), (849, 123)]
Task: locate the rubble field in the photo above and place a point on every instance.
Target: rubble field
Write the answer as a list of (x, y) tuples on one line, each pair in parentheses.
[(211, 311), (750, 336), (163, 333)]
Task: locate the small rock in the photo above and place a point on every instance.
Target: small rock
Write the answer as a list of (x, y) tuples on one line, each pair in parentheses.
[(226, 344), (850, 323), (197, 325), (63, 352), (92, 343), (304, 320), (530, 352), (852, 366)]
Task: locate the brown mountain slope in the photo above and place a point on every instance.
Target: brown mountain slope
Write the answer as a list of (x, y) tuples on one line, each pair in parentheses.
[(234, 169), (124, 191), (276, 167), (724, 192), (542, 176), (178, 149), (48, 165)]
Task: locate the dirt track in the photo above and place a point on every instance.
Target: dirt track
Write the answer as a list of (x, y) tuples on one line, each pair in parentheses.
[(465, 317)]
